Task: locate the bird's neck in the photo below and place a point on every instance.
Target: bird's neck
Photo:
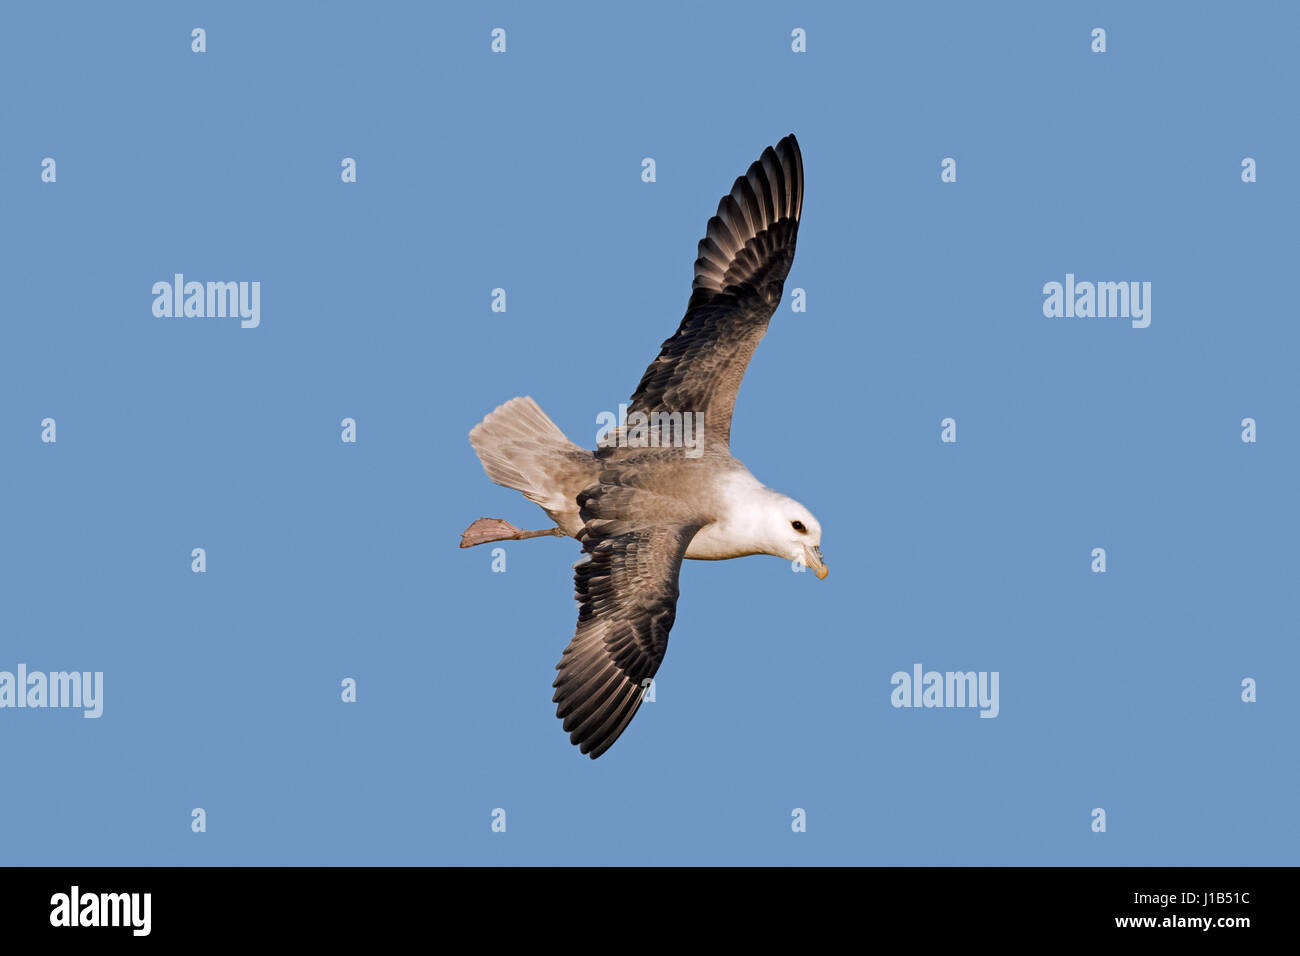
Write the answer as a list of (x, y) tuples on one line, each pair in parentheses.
[(740, 529)]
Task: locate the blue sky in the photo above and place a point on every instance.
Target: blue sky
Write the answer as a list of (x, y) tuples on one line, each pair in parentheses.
[(522, 171)]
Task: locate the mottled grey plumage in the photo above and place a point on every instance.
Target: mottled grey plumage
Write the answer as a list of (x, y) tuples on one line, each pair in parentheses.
[(638, 511), (744, 257)]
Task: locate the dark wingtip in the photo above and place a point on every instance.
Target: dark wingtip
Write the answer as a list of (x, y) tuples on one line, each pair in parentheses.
[(790, 145)]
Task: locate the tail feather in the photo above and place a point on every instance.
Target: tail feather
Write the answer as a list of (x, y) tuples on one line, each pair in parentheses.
[(521, 448)]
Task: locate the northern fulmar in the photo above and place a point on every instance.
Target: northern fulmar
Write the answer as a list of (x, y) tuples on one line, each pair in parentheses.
[(652, 493)]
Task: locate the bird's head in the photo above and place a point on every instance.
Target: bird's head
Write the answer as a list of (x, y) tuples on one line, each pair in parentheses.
[(793, 533)]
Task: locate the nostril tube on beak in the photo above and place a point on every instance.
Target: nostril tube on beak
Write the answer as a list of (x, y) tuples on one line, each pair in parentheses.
[(814, 561)]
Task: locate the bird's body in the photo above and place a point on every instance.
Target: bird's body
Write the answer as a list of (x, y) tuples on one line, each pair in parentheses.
[(646, 498)]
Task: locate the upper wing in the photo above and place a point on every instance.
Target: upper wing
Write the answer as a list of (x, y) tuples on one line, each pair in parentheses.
[(739, 275), (626, 586)]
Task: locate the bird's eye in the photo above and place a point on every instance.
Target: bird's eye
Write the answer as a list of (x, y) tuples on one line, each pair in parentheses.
[(798, 526)]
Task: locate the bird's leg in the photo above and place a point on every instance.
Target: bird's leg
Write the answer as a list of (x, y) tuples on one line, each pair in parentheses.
[(494, 529)]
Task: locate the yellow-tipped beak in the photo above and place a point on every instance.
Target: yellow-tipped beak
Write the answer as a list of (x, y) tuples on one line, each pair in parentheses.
[(813, 558)]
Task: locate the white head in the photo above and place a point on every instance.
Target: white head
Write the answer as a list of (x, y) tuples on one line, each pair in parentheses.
[(789, 530)]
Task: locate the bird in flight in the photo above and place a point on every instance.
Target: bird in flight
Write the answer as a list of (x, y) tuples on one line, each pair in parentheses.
[(663, 486)]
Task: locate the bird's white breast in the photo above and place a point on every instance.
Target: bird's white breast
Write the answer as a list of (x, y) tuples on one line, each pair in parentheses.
[(738, 530)]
